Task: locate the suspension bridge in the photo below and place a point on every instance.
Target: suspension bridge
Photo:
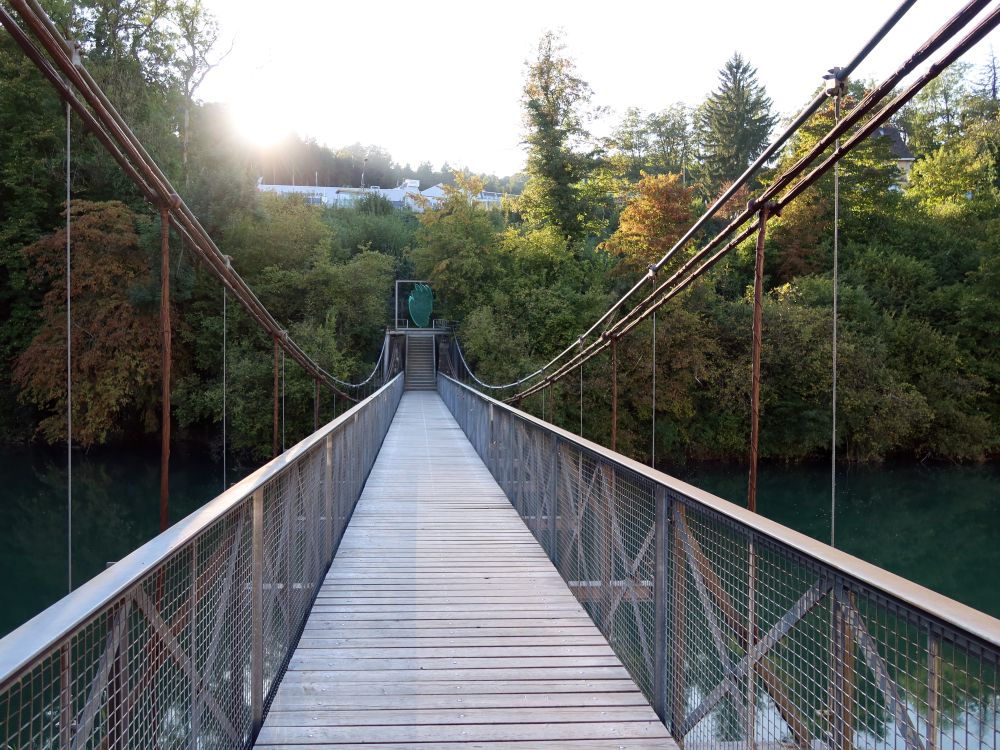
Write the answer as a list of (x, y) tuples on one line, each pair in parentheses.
[(436, 567)]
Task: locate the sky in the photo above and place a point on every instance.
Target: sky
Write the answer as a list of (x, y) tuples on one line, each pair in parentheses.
[(441, 81)]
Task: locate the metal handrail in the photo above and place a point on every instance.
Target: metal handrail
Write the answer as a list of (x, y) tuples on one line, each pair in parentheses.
[(931, 603), (35, 637), (735, 627)]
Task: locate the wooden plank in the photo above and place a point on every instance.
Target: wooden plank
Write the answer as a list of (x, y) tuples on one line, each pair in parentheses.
[(456, 716), (412, 691), (366, 674), (602, 744), (469, 641), (621, 730), (442, 623), (313, 701)]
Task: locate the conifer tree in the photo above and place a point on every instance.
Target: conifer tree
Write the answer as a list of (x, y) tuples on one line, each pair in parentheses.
[(735, 123)]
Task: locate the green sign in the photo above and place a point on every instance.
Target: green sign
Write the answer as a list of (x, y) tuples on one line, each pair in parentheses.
[(420, 304)]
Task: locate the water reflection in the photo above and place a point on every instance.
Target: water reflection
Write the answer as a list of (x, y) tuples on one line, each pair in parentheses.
[(115, 510), (937, 526)]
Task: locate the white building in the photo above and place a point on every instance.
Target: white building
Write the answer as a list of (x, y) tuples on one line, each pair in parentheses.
[(486, 198), (406, 195)]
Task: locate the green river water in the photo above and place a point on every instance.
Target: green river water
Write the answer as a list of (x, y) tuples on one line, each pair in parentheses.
[(939, 526)]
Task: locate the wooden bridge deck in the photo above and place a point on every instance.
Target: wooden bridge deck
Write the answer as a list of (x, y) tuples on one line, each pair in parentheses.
[(442, 623)]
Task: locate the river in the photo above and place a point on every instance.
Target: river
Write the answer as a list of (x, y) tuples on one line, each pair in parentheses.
[(935, 525)]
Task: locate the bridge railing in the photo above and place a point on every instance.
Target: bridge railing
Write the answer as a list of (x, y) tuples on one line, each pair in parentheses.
[(183, 642), (734, 626)]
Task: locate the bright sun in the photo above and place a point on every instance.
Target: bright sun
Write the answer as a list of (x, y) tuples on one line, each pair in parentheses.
[(262, 125)]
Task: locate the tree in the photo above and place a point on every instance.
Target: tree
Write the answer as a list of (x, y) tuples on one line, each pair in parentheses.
[(115, 341), (962, 172), (671, 140), (653, 220), (556, 109), (629, 145), (199, 32), (800, 241), (454, 249), (32, 134), (934, 117), (735, 123)]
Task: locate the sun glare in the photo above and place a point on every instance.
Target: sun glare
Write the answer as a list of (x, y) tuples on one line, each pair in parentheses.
[(260, 124)]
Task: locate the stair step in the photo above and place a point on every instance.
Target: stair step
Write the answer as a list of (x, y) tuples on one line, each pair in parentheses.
[(420, 374)]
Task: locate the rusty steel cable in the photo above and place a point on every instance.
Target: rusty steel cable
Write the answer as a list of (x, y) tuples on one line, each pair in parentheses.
[(641, 310), (677, 282), (769, 152), (638, 313), (71, 80)]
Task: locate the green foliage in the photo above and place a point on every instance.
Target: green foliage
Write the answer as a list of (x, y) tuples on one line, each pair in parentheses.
[(454, 250), (115, 345), (391, 233), (556, 109), (735, 123), (919, 286)]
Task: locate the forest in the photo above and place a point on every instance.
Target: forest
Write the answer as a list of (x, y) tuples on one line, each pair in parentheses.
[(919, 373)]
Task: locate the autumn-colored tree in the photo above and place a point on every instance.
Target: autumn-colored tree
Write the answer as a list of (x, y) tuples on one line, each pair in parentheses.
[(653, 220), (115, 343)]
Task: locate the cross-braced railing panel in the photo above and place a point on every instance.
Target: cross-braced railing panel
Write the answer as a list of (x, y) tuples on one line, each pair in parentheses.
[(182, 643), (735, 627)]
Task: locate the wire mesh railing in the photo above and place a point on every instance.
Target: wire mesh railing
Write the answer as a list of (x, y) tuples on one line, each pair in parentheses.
[(741, 632), (183, 642)]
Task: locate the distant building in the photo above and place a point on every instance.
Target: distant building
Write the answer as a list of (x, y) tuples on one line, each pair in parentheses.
[(486, 198), (405, 195), (900, 151)]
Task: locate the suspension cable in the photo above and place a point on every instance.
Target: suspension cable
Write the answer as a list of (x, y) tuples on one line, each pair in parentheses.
[(282, 400), (66, 73), (225, 297), (652, 451), (963, 17), (472, 375), (69, 358), (676, 283)]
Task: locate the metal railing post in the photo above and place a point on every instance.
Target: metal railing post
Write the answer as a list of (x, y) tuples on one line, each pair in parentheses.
[(842, 689), (490, 450), (661, 690), (933, 688), (328, 539), (195, 676), (65, 696), (677, 623), (553, 490), (257, 614), (355, 459)]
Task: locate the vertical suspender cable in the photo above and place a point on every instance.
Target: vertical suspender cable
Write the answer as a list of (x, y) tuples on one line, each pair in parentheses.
[(757, 345), (833, 384), (614, 393), (282, 400), (69, 366), (165, 359), (652, 442), (225, 297), (581, 399), (274, 416)]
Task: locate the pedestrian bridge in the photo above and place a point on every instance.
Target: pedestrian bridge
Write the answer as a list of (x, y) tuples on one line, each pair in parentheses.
[(437, 569)]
